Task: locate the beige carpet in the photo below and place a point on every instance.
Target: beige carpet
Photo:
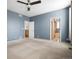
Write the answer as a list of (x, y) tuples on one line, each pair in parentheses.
[(38, 49)]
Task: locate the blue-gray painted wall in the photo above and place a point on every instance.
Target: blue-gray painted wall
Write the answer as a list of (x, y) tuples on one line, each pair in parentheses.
[(15, 25), (42, 24)]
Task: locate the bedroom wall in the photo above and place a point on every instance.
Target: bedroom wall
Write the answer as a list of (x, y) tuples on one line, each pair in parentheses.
[(15, 25), (42, 24)]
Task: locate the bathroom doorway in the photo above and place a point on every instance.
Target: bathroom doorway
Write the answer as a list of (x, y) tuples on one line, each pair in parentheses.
[(55, 33), (29, 29), (26, 29)]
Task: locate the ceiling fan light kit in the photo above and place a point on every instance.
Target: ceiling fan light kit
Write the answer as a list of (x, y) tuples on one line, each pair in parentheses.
[(28, 4)]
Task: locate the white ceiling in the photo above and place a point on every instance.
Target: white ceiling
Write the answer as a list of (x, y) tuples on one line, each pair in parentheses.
[(44, 7)]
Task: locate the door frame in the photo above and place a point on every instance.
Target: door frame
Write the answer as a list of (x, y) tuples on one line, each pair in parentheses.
[(51, 19), (31, 23)]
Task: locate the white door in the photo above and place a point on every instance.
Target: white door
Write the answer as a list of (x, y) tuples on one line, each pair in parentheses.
[(31, 30)]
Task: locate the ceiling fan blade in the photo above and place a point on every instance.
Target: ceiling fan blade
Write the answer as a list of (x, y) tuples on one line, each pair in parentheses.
[(22, 2), (36, 2)]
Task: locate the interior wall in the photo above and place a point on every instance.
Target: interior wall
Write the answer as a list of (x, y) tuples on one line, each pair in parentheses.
[(42, 24), (15, 25)]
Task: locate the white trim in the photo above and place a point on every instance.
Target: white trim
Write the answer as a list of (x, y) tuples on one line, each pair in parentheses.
[(40, 39), (50, 28), (31, 30), (70, 33), (60, 31)]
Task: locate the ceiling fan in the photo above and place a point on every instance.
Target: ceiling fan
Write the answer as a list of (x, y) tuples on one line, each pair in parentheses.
[(29, 3)]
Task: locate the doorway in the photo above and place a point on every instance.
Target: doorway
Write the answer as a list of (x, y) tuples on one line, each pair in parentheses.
[(26, 29), (29, 30), (55, 33)]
